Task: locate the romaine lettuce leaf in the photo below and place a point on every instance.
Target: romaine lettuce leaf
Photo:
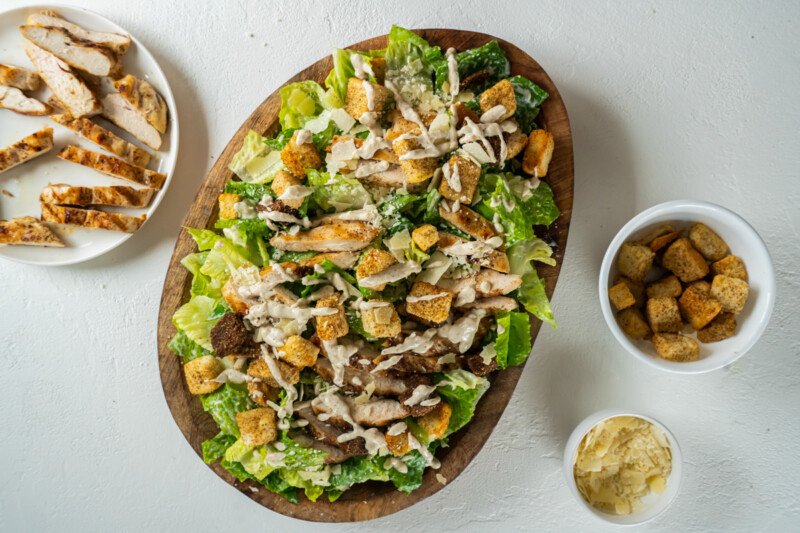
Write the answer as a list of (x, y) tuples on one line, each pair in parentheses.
[(224, 403), (205, 238), (531, 293), (356, 470), (303, 100), (489, 57), (513, 343), (256, 162), (461, 390), (529, 97), (196, 318), (186, 347), (201, 284), (342, 71), (215, 447), (224, 258), (411, 62), (253, 191), (411, 480), (337, 193)]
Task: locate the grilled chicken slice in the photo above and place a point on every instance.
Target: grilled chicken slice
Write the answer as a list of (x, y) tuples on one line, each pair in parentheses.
[(486, 283), (345, 260), (393, 178), (421, 364), (469, 222), (145, 99), (26, 149), (21, 78), (68, 88), (115, 42), (82, 55), (13, 99), (335, 453), (329, 435), (375, 412), (121, 113), (340, 237), (27, 231), (89, 218), (105, 139), (356, 380), (112, 166), (62, 194), (495, 304), (494, 259)]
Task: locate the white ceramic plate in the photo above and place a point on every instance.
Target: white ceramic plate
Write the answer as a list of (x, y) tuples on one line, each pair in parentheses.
[(26, 181)]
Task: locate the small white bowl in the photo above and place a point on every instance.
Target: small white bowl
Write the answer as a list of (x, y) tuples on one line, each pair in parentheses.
[(655, 504), (743, 242)]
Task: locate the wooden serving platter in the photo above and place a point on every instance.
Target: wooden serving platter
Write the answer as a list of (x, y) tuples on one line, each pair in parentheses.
[(373, 499)]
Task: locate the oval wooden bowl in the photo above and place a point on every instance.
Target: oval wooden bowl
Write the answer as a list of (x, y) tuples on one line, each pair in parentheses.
[(374, 499)]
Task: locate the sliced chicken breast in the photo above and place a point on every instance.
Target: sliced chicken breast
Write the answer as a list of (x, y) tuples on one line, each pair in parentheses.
[(375, 412), (494, 259), (27, 231), (62, 194), (13, 99), (495, 304), (121, 113), (486, 283), (68, 88), (21, 78), (393, 178), (329, 434), (82, 55), (26, 149), (90, 218), (356, 380), (469, 222), (339, 237), (145, 99), (345, 260), (113, 166), (105, 139), (115, 42)]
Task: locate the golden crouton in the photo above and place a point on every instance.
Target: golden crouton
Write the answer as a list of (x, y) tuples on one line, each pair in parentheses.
[(398, 444), (538, 153), (260, 369), (330, 327), (654, 233), (634, 261), (401, 126), (201, 372), (636, 288), (502, 93), (730, 266), (698, 308), (468, 173), (664, 315), (260, 392), (415, 170), (381, 321), (425, 236), (515, 143), (299, 157), (258, 426), (227, 205), (703, 286), (298, 352), (666, 286), (231, 297), (676, 347), (422, 303), (633, 324), (357, 101), (373, 262), (707, 242), (621, 296), (282, 181), (684, 261), (721, 328), (731, 292), (435, 423), (661, 241)]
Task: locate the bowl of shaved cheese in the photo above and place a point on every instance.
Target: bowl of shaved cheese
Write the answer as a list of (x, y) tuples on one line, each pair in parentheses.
[(623, 468)]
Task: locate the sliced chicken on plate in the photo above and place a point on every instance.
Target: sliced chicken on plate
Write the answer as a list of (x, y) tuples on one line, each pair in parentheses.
[(27, 231), (121, 113), (375, 412), (115, 42), (13, 99), (356, 380), (486, 283), (21, 78), (145, 99), (339, 237), (82, 55), (113, 166), (90, 218), (26, 149), (105, 139), (495, 304), (468, 221), (67, 87), (62, 194)]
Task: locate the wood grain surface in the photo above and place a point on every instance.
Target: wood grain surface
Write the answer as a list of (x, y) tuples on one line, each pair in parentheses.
[(373, 499)]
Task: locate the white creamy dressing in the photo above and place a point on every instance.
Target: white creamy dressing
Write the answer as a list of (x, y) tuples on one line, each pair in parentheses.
[(369, 92), (396, 429), (452, 72), (295, 192), (369, 213), (397, 464), (413, 343), (335, 406), (430, 401), (232, 375), (471, 132), (452, 178), (368, 168), (524, 188), (498, 227), (430, 460), (474, 248), (234, 235), (446, 359), (340, 155), (494, 114), (462, 331), (363, 70), (420, 393), (387, 364), (488, 353), (285, 412), (271, 335), (374, 140), (465, 296), (425, 297), (303, 136), (429, 149), (339, 356), (396, 272)]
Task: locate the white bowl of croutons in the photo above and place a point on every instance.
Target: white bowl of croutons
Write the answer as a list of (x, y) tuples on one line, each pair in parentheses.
[(687, 286)]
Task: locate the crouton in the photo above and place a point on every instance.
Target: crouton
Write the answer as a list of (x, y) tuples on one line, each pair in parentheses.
[(260, 369), (730, 266), (232, 298), (659, 242), (299, 157), (633, 324), (515, 143), (227, 206), (654, 233), (398, 444), (731, 292), (707, 242), (401, 126), (425, 236), (676, 347), (703, 286), (667, 286), (634, 261), (282, 181), (429, 302), (721, 328), (684, 261), (258, 426), (415, 170), (663, 314), (636, 288), (373, 262), (501, 93), (538, 153), (357, 100), (330, 327), (436, 422), (463, 112), (380, 319), (621, 296), (261, 393), (468, 175), (698, 308), (201, 372), (298, 352)]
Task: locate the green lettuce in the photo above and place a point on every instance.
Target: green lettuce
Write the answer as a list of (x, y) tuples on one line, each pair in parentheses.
[(224, 403), (196, 318), (461, 390), (531, 293), (412, 61), (342, 71), (303, 100), (252, 191), (201, 284), (185, 347), (513, 343), (529, 97), (215, 447), (256, 162), (337, 193), (489, 58), (410, 481)]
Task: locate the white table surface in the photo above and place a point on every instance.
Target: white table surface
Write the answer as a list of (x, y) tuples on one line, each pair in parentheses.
[(666, 101)]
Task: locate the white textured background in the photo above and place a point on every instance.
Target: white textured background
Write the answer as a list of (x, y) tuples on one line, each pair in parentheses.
[(666, 100)]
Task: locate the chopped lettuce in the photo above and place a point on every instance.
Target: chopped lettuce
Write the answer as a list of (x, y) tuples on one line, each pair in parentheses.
[(256, 162), (489, 58), (342, 71), (201, 284), (196, 318), (303, 100), (252, 191), (532, 293), (185, 347), (205, 238), (337, 193), (411, 62), (513, 343), (529, 97), (215, 447), (411, 480), (225, 257), (353, 471), (461, 389), (541, 206), (251, 234), (224, 403)]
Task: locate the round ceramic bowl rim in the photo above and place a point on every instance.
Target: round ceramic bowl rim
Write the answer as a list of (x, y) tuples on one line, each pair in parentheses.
[(168, 95), (571, 448), (642, 219)]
